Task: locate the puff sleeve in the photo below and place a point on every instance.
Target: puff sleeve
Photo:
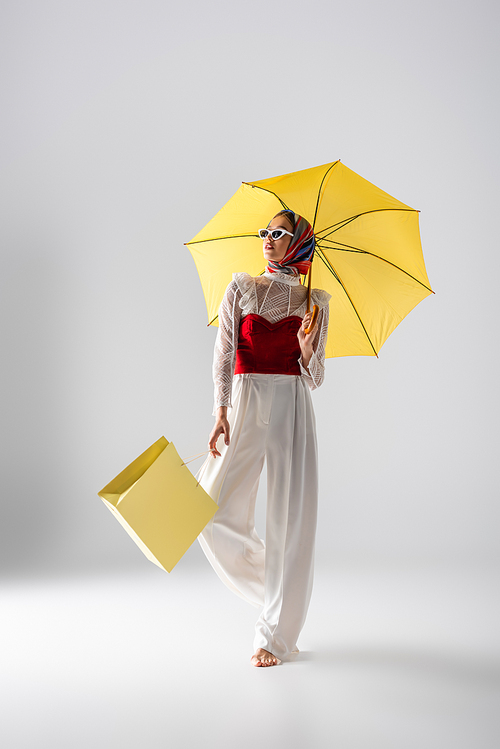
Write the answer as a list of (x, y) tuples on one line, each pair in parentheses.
[(226, 344)]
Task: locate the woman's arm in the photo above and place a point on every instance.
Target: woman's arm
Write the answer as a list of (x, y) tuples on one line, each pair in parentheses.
[(224, 361), (226, 344), (221, 427), (312, 346)]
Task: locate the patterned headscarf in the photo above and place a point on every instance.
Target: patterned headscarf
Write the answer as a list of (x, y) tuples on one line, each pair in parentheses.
[(300, 251)]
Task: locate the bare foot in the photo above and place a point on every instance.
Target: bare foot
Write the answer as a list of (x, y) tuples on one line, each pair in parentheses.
[(264, 658)]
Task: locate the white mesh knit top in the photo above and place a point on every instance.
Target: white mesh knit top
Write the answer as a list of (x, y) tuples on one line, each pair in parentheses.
[(273, 296)]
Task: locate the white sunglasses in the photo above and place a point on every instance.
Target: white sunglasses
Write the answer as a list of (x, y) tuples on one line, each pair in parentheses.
[(274, 233)]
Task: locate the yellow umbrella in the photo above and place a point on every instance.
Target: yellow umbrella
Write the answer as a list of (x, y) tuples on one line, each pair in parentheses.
[(368, 253)]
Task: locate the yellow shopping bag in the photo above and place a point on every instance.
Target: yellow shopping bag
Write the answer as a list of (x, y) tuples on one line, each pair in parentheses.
[(159, 503)]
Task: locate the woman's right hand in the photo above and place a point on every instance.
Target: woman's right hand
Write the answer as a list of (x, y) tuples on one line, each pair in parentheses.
[(221, 427)]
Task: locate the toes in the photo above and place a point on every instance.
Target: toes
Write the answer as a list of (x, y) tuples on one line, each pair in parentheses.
[(270, 660), (264, 658)]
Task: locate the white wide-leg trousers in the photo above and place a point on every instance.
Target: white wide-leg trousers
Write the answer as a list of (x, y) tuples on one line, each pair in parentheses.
[(272, 419)]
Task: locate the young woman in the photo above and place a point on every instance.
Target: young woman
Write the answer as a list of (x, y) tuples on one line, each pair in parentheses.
[(265, 365)]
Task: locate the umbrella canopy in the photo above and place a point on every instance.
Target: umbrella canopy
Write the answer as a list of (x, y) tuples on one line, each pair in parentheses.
[(368, 253)]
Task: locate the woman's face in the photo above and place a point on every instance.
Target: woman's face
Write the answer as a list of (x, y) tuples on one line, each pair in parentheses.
[(275, 249)]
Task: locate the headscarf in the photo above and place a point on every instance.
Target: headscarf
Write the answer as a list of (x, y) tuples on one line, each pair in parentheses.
[(300, 251)]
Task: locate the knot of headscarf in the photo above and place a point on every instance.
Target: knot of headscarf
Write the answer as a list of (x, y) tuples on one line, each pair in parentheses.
[(299, 255)]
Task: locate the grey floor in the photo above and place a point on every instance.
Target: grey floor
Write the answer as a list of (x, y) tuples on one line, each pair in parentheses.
[(405, 658)]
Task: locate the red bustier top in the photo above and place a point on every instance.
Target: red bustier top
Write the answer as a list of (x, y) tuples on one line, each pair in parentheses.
[(268, 348)]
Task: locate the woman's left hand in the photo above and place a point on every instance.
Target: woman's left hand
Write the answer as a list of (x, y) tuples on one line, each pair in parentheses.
[(306, 339)]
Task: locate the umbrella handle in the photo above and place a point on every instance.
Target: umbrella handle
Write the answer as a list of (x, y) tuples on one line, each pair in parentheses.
[(313, 319), (315, 306)]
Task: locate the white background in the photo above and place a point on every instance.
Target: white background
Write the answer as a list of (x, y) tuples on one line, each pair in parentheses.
[(126, 126)]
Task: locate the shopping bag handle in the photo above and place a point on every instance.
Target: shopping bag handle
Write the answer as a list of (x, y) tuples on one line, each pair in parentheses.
[(200, 470), (195, 457)]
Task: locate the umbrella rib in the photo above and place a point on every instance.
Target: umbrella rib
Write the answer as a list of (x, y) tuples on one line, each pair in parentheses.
[(343, 248), (336, 275), (338, 226), (319, 191), (231, 236), (345, 221), (270, 192)]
